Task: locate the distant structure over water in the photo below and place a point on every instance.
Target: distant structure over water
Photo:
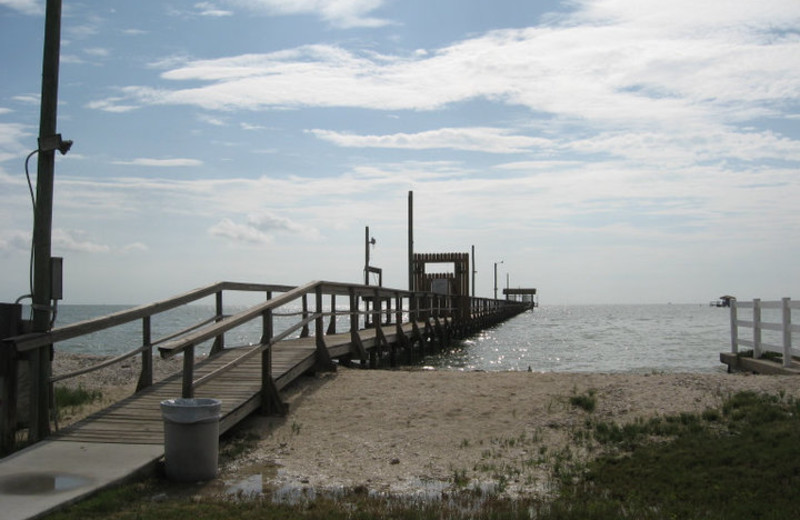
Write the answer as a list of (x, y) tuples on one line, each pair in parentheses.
[(723, 301)]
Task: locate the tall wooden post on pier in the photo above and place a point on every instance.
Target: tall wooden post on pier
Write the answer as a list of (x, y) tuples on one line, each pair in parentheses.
[(411, 242), (473, 271)]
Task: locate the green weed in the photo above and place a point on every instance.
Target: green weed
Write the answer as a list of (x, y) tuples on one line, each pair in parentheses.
[(586, 402), (74, 397)]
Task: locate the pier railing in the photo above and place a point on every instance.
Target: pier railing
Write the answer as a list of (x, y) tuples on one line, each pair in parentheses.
[(367, 307), (780, 328)]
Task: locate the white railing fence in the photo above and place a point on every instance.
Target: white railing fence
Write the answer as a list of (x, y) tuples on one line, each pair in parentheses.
[(771, 325)]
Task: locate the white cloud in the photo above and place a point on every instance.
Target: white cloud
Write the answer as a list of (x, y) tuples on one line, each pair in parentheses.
[(28, 99), (260, 228), (76, 241), (98, 52), (135, 247), (602, 67), (112, 104), (161, 163), (268, 222), (226, 228), (215, 121), (480, 139), (339, 13), (17, 241), (210, 9), (24, 6), (12, 136)]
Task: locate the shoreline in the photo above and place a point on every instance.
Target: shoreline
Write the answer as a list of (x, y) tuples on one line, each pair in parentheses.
[(414, 432)]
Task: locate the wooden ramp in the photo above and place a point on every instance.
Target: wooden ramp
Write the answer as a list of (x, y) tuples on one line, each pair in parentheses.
[(138, 420)]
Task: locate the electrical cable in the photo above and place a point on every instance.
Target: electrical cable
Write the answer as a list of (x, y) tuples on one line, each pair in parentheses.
[(28, 175), (33, 203)]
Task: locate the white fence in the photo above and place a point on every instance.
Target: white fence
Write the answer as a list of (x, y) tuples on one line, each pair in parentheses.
[(771, 326)]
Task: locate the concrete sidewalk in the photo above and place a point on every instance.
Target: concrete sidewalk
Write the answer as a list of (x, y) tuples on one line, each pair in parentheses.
[(53, 473)]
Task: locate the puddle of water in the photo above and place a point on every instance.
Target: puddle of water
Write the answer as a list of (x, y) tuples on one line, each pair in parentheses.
[(40, 483)]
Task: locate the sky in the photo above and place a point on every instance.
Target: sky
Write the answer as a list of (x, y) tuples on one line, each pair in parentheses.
[(605, 151)]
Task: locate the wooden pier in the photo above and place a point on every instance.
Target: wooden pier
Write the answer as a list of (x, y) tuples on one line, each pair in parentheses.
[(382, 327)]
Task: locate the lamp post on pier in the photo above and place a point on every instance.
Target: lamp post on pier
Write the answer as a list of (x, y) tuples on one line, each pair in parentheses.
[(495, 278)]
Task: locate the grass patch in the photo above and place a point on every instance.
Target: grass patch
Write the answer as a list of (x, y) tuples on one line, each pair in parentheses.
[(74, 397), (739, 464), (586, 402)]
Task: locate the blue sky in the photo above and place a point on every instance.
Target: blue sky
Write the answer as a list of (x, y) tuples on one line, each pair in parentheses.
[(605, 150)]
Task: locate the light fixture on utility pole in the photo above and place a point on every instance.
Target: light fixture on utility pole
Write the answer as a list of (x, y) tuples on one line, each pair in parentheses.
[(495, 278), (368, 241)]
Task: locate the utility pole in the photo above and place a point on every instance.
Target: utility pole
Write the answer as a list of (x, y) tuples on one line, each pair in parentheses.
[(43, 221), (495, 278), (473, 271), (411, 241)]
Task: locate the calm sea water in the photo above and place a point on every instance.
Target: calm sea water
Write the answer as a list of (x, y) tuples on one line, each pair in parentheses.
[(599, 338), (580, 338)]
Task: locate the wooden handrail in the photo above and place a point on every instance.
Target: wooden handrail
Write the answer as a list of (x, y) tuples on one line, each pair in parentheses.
[(175, 347), (32, 341)]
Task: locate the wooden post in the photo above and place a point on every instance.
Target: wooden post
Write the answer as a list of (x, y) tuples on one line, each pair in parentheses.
[(366, 255), (187, 390), (10, 318), (271, 403), (411, 242), (324, 362), (305, 332), (756, 328), (474, 271), (355, 338), (734, 328), (219, 341), (332, 324), (375, 323), (787, 332), (146, 375)]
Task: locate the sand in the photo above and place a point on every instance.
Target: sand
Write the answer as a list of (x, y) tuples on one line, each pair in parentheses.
[(412, 432)]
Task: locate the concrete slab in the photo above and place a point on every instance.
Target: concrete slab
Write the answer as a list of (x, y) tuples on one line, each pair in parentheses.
[(53, 474)]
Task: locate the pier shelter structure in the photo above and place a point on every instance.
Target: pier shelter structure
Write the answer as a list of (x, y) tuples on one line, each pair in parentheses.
[(521, 295), (453, 284)]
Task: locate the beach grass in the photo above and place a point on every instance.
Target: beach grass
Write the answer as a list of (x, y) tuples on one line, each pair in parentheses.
[(739, 461), (74, 397)]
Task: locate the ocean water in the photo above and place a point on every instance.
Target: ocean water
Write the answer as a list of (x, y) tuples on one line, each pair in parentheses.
[(575, 338), (599, 338)]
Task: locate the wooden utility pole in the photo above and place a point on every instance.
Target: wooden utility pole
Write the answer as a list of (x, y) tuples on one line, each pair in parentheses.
[(43, 221), (411, 241), (366, 255), (473, 271)]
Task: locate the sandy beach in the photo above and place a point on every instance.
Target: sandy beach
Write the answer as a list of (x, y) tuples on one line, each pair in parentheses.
[(408, 432)]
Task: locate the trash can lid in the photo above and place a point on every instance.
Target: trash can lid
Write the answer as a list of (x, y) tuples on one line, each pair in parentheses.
[(183, 410), (182, 402)]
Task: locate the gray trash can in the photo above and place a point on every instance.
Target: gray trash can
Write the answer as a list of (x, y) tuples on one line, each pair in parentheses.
[(191, 438)]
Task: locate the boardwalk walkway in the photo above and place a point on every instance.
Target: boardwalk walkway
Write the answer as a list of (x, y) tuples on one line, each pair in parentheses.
[(127, 438), (138, 420)]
